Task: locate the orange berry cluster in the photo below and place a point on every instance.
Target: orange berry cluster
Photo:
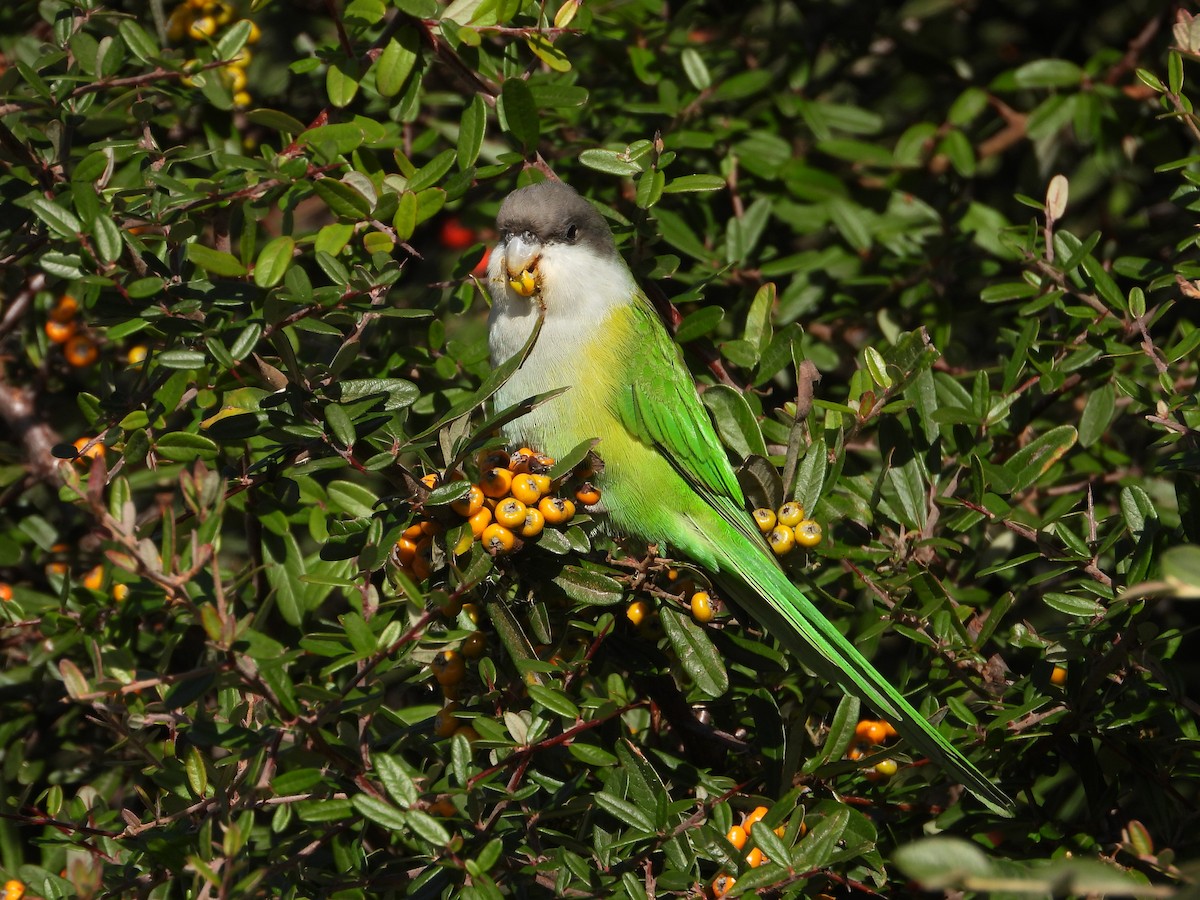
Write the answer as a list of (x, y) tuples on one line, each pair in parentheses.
[(873, 733), (202, 20), (513, 501), (738, 835), (14, 889), (62, 328), (787, 527)]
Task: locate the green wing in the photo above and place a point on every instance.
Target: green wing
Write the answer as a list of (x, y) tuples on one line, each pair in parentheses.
[(661, 409)]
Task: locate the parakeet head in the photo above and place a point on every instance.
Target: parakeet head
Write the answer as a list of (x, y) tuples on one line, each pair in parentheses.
[(551, 241)]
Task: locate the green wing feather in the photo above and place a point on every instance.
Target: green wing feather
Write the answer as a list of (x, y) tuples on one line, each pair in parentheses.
[(661, 409)]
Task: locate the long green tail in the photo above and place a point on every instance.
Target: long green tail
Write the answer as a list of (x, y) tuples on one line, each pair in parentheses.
[(778, 605)]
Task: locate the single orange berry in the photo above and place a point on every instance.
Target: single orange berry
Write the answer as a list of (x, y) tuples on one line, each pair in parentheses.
[(722, 885), (430, 480), (6, 591), (534, 522), (470, 504), (510, 512), (702, 608), (497, 539), (448, 667), (638, 611), (444, 723), (61, 332), (543, 482), (413, 532), (556, 510), (406, 550), (737, 836), (136, 355), (587, 494), (871, 731), (80, 351), (96, 449), (120, 592), (496, 482), (474, 645), (755, 858), (756, 815), (94, 579), (65, 309), (480, 521), (525, 488), (1058, 677), (13, 889)]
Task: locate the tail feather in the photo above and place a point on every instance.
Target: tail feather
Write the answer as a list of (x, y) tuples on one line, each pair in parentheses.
[(762, 588)]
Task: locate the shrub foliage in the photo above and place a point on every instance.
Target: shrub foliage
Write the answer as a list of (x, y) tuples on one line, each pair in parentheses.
[(933, 265)]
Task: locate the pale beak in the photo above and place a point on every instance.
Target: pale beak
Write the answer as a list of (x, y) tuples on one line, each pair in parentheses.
[(521, 253)]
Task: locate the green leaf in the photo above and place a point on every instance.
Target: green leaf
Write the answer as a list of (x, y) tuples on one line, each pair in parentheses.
[(380, 812), (590, 588), (695, 69), (273, 261), (610, 162), (690, 183), (472, 127), (699, 658), (518, 112), (182, 446), (107, 236), (215, 262), (553, 700), (395, 64), (341, 81), (1097, 414), (735, 421), (342, 200), (625, 812), (60, 220)]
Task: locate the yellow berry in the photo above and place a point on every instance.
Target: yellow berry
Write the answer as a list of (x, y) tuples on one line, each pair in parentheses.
[(497, 539), (496, 482), (886, 768), (781, 539), (702, 608), (1059, 676), (242, 60), (242, 99), (524, 284), (638, 611), (448, 667), (543, 482), (510, 512), (808, 533), (120, 592), (587, 494), (790, 514), (136, 355), (475, 645), (255, 33), (14, 889), (765, 519), (737, 836), (202, 28), (534, 522), (470, 504), (556, 510), (235, 77), (472, 612)]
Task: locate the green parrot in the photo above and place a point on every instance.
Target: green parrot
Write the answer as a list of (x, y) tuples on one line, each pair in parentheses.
[(665, 477)]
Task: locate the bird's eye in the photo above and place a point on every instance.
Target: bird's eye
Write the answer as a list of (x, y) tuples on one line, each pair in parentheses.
[(572, 233)]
